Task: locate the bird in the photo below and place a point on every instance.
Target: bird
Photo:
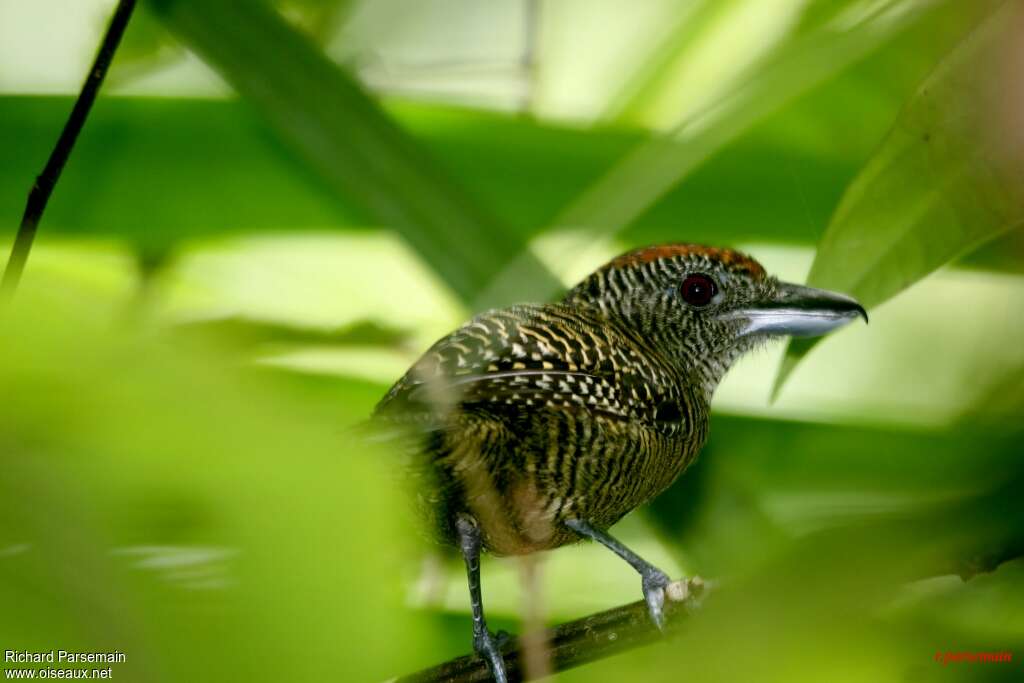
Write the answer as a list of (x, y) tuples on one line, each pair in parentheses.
[(540, 425)]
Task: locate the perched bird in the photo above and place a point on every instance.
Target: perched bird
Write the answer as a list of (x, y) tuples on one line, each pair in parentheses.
[(535, 426)]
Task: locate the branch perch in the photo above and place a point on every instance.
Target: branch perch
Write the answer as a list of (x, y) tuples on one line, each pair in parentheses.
[(43, 186), (577, 642)]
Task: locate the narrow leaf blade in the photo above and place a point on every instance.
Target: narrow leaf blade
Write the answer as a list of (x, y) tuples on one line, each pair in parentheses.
[(325, 115), (946, 180)]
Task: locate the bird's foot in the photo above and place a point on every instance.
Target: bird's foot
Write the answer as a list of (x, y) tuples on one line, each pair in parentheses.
[(488, 646), (655, 583)]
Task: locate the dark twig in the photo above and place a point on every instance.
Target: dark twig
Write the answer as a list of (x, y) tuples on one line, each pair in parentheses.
[(577, 642), (45, 181)]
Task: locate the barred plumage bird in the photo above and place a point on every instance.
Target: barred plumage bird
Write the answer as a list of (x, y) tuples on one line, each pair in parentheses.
[(535, 426)]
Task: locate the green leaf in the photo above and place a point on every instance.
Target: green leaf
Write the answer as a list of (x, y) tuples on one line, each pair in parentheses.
[(766, 476), (159, 174), (344, 136), (207, 168), (944, 181), (645, 175), (161, 500), (203, 169)]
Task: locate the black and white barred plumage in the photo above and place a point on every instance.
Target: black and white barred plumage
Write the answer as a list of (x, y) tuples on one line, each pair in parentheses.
[(530, 415)]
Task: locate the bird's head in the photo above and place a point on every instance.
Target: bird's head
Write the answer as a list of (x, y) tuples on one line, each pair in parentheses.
[(704, 306)]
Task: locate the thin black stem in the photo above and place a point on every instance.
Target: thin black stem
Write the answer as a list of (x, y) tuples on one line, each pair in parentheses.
[(43, 186)]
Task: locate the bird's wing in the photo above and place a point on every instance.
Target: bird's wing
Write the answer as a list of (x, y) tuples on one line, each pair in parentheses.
[(518, 357)]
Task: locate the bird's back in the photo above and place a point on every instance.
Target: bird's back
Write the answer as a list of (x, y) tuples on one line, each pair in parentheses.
[(531, 415)]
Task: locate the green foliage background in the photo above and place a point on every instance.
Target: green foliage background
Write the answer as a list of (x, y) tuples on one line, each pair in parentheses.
[(275, 208)]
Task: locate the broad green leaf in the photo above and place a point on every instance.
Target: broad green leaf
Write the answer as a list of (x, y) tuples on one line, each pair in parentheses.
[(202, 169), (344, 136), (205, 168), (949, 177)]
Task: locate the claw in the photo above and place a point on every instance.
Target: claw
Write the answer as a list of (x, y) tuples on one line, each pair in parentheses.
[(655, 582), (486, 646)]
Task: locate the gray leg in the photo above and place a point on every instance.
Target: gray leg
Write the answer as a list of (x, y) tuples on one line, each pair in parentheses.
[(484, 643), (654, 580)]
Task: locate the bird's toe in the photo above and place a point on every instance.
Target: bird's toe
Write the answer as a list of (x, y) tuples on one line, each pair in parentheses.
[(655, 583), (487, 646)]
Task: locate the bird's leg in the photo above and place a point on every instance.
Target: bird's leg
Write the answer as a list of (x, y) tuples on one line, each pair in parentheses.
[(484, 642), (654, 580)]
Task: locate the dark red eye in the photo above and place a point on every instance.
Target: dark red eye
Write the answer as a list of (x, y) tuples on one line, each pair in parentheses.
[(698, 289)]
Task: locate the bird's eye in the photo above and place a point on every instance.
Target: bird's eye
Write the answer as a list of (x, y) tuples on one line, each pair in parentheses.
[(698, 289)]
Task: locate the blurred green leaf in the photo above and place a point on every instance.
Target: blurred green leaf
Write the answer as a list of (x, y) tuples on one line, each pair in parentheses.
[(838, 604), (158, 173), (638, 181), (211, 524), (949, 177), (325, 115), (1003, 403), (823, 610), (778, 479)]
